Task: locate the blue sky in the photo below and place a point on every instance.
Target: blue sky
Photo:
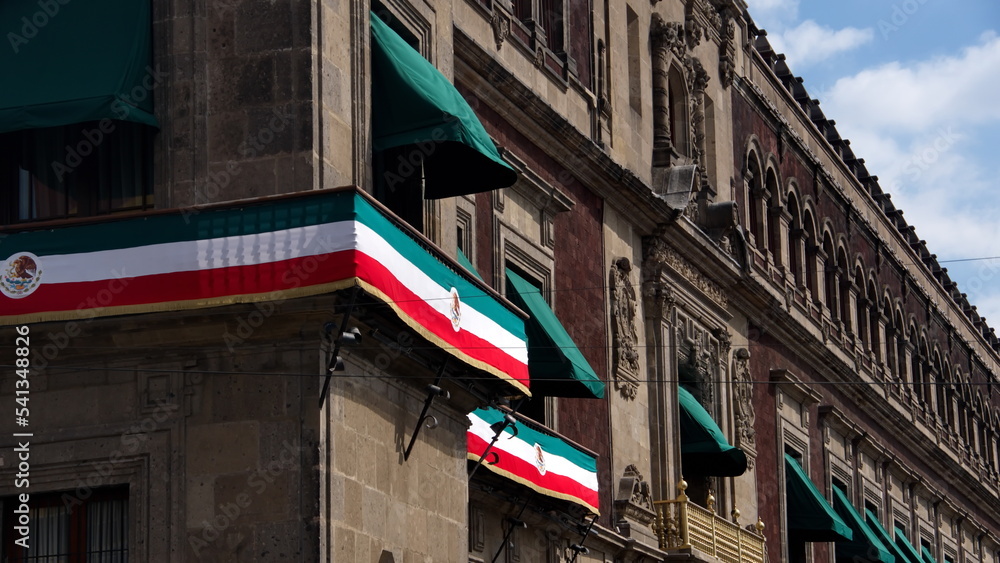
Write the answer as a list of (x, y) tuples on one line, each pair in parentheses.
[(915, 86)]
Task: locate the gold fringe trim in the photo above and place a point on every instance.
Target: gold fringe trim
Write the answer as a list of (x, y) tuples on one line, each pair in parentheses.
[(533, 486), (85, 315)]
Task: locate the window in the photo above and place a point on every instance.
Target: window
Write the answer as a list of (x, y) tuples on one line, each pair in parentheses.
[(678, 105), (66, 529), (634, 62), (78, 170)]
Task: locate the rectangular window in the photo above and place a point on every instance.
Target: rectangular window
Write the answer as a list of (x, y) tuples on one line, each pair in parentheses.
[(64, 528), (634, 60), (78, 170)]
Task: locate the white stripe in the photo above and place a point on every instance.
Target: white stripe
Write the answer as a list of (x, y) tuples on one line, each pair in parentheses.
[(438, 296), (190, 256), (525, 451), (273, 246)]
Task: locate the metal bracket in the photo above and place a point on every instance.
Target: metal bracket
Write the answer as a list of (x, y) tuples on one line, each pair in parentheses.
[(336, 347), (433, 391), (578, 548), (513, 524), (497, 428)]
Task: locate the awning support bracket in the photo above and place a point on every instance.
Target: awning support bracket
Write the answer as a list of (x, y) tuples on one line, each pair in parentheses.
[(497, 428), (578, 548), (433, 391), (513, 524), (335, 359)]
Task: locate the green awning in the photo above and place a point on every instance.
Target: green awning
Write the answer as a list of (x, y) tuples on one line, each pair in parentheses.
[(467, 264), (906, 547), (928, 556), (810, 516), (556, 366), (865, 545), (414, 104), (886, 538), (704, 449), (70, 62)]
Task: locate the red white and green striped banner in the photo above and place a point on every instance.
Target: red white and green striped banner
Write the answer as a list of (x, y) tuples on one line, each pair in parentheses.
[(540, 461), (261, 251)]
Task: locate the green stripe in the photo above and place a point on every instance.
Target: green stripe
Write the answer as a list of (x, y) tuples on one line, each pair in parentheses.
[(470, 294), (550, 444), (184, 225)]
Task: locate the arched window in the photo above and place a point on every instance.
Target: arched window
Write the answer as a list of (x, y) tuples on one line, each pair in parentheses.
[(773, 206), (900, 368), (754, 219), (874, 314), (811, 246), (915, 370), (677, 100), (830, 272), (843, 268), (861, 311), (795, 241)]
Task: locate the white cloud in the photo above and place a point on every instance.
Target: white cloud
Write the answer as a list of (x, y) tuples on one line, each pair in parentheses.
[(810, 43), (925, 129), (944, 90), (773, 14), (772, 5)]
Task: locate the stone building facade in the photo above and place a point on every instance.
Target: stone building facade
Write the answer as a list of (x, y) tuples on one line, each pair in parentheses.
[(722, 308)]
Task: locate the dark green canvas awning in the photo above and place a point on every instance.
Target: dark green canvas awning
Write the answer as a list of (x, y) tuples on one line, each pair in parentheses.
[(704, 449), (865, 544), (928, 556), (467, 264), (414, 104), (886, 538), (810, 516), (906, 547), (70, 62), (556, 365)]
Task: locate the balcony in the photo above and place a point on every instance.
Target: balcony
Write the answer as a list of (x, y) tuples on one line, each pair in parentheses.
[(683, 525)]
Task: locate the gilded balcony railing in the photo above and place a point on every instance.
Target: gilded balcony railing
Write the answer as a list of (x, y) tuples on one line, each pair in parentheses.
[(681, 524)]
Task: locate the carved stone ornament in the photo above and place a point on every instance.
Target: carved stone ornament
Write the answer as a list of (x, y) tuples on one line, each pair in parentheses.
[(727, 54), (634, 500), (660, 253), (746, 435), (704, 9), (539, 57), (501, 27), (668, 36), (624, 335)]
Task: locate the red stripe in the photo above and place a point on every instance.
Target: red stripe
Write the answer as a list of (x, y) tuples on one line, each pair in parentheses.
[(525, 470), (416, 308), (91, 297), (186, 286)]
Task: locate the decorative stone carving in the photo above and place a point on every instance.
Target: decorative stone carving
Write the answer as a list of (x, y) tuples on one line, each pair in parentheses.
[(746, 435), (668, 36), (727, 53), (501, 27), (539, 57), (705, 9), (624, 335), (660, 253), (695, 369), (633, 500)]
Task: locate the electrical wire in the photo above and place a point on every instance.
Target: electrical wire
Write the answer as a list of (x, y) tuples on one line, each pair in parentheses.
[(382, 375)]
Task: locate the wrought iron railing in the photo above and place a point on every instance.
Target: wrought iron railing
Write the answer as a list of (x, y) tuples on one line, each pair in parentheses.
[(682, 524)]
